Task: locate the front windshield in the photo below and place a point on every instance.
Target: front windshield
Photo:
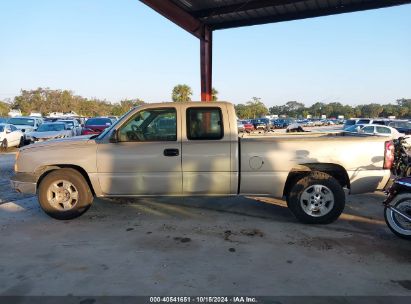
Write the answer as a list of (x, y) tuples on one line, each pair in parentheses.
[(107, 130), (21, 121), (1, 128), (51, 127)]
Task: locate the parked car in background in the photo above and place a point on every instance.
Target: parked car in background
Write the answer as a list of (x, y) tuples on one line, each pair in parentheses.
[(73, 125), (369, 121), (402, 126), (3, 119), (377, 130), (350, 122), (280, 123), (248, 126), (49, 131), (96, 125), (10, 136), (353, 129), (263, 124), (240, 127), (380, 130), (25, 123)]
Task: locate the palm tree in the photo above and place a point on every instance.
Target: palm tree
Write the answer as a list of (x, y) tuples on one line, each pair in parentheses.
[(214, 94), (181, 93)]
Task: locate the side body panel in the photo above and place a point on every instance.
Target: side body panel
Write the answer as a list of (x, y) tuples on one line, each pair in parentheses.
[(266, 162)]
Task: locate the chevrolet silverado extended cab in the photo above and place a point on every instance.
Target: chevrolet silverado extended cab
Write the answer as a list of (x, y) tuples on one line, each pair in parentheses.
[(186, 149)]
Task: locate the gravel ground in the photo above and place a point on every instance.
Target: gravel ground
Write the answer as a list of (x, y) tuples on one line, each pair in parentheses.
[(197, 246)]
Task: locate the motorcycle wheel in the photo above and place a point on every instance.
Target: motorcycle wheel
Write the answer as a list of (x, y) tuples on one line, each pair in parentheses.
[(398, 224)]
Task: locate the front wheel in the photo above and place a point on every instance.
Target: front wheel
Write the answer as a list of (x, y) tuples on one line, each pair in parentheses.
[(399, 225), (4, 145), (317, 198), (64, 194)]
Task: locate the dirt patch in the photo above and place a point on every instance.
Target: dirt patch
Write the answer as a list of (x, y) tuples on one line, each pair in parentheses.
[(182, 239), (252, 232)]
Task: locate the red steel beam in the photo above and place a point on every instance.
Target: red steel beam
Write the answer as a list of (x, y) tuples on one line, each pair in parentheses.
[(177, 15), (194, 26), (206, 64)]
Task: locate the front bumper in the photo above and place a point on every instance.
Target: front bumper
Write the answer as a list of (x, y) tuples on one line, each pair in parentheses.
[(24, 183)]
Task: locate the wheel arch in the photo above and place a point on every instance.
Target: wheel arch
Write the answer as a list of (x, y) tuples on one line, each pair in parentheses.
[(43, 171), (300, 171)]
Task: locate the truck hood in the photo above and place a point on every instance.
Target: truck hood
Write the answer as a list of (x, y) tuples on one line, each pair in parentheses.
[(60, 143)]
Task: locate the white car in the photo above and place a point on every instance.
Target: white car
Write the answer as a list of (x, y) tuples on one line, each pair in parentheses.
[(10, 136), (380, 130), (25, 123)]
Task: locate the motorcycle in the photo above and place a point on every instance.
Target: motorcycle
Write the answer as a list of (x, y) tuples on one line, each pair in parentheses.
[(397, 211), (402, 161)]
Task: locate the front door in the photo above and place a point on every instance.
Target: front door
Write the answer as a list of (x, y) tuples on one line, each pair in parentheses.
[(146, 160)]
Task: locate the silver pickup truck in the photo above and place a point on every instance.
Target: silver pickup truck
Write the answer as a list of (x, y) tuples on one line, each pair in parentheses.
[(187, 149)]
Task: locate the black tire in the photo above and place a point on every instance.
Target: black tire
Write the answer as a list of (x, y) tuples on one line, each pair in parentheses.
[(84, 194), (392, 220), (21, 143), (328, 184), (4, 145)]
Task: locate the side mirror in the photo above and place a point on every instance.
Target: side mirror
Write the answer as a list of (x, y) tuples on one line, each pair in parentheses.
[(8, 131), (114, 137)]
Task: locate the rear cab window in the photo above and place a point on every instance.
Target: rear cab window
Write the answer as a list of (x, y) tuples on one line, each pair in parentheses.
[(204, 123)]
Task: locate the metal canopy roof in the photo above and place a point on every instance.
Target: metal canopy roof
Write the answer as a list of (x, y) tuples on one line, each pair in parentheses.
[(222, 14), (202, 17)]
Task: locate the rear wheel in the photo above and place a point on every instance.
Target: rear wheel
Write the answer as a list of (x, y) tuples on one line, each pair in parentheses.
[(399, 225), (64, 194), (317, 198), (4, 145)]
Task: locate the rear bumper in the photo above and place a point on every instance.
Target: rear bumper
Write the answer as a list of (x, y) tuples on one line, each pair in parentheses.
[(24, 183)]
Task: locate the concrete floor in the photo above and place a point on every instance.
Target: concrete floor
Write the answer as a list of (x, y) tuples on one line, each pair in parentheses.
[(197, 246)]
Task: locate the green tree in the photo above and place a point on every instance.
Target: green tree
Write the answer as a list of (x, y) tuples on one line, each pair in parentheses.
[(257, 108), (242, 111), (371, 110), (181, 93), (4, 108), (214, 94)]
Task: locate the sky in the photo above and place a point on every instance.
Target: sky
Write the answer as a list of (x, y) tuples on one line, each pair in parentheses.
[(122, 49)]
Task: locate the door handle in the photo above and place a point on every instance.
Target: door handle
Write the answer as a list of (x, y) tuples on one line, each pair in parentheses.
[(171, 152)]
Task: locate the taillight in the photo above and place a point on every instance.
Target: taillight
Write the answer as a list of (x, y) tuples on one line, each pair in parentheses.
[(388, 154)]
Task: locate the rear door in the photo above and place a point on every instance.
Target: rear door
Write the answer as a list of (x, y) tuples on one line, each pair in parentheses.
[(206, 150)]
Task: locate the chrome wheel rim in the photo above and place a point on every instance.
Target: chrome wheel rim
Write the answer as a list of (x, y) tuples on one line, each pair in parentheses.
[(402, 223), (62, 195), (317, 200)]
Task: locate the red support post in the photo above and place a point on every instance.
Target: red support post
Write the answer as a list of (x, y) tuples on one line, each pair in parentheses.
[(206, 50)]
